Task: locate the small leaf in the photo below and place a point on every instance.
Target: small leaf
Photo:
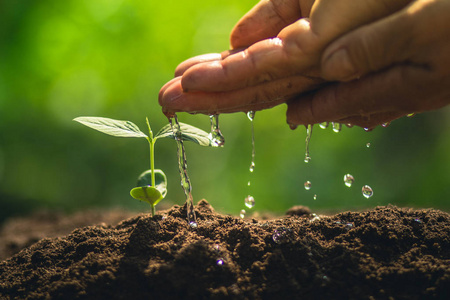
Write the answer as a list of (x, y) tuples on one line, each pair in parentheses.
[(188, 133), (145, 179), (147, 193), (112, 127)]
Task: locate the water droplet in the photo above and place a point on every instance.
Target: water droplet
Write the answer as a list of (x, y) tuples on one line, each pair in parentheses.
[(251, 115), (418, 221), (242, 213), (216, 137), (348, 180), (315, 197), (367, 191), (307, 185), (367, 129), (193, 225), (250, 201), (309, 130), (220, 262), (249, 183), (323, 125), (368, 145), (349, 125), (282, 235), (411, 115), (314, 218), (385, 124), (336, 126), (252, 167)]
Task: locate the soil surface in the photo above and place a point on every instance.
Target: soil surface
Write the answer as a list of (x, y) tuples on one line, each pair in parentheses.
[(383, 253)]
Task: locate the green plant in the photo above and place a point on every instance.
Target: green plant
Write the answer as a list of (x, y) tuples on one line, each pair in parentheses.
[(152, 184)]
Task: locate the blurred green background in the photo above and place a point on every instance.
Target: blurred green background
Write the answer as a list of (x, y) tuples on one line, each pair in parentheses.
[(63, 59)]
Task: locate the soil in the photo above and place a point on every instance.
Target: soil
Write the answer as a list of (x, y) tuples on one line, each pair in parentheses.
[(383, 253)]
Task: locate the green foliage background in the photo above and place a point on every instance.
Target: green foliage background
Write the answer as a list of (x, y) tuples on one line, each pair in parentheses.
[(63, 59)]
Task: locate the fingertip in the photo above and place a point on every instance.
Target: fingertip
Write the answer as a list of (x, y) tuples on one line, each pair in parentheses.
[(169, 93), (185, 65), (299, 111)]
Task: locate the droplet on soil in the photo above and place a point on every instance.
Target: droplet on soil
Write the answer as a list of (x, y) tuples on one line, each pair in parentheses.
[(242, 213), (282, 235)]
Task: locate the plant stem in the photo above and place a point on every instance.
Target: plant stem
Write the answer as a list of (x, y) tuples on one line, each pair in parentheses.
[(153, 211), (151, 143)]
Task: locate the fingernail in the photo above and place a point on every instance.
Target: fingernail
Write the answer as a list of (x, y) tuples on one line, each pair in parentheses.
[(338, 66)]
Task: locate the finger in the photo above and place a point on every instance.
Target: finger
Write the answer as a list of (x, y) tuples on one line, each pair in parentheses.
[(400, 89), (370, 48), (173, 98), (265, 20), (182, 67), (264, 61)]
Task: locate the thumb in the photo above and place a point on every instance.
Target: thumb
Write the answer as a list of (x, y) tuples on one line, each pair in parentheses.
[(369, 48)]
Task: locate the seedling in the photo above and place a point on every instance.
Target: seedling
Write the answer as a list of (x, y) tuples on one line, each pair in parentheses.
[(152, 184)]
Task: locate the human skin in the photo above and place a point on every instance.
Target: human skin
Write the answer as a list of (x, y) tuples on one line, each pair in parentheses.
[(357, 62)]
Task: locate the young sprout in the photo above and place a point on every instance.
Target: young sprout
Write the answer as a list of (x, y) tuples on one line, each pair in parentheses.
[(152, 184)]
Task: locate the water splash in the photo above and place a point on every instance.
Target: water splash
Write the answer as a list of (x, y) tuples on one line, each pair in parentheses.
[(337, 127), (309, 130), (367, 191), (307, 185), (216, 137), (182, 165), (348, 180)]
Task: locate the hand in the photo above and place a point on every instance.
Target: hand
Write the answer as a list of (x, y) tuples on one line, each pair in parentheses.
[(402, 61)]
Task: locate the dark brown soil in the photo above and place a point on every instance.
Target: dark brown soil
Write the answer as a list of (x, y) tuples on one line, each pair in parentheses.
[(384, 253)]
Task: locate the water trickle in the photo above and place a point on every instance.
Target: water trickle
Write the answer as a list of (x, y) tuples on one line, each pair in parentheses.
[(323, 125), (182, 165), (367, 191), (250, 201), (216, 137), (282, 235), (251, 117), (336, 126), (307, 185), (309, 130), (242, 213), (348, 180)]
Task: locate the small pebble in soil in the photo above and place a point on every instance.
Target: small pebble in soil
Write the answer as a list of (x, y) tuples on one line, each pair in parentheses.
[(282, 235)]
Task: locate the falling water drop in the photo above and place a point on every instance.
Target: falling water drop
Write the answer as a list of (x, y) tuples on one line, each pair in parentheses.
[(309, 130), (307, 185), (315, 197), (182, 166), (242, 213), (252, 167), (250, 201), (216, 137), (367, 191), (348, 180), (368, 145), (323, 125)]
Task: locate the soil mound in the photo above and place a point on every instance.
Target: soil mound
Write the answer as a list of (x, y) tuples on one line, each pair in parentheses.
[(383, 253)]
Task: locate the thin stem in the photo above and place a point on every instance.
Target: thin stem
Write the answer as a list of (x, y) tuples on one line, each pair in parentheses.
[(152, 161), (153, 211)]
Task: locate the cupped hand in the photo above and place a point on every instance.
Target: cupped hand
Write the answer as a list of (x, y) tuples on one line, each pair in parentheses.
[(281, 60)]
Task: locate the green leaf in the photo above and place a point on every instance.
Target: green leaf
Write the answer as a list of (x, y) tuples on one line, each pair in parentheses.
[(147, 193), (145, 179), (112, 127), (188, 133)]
